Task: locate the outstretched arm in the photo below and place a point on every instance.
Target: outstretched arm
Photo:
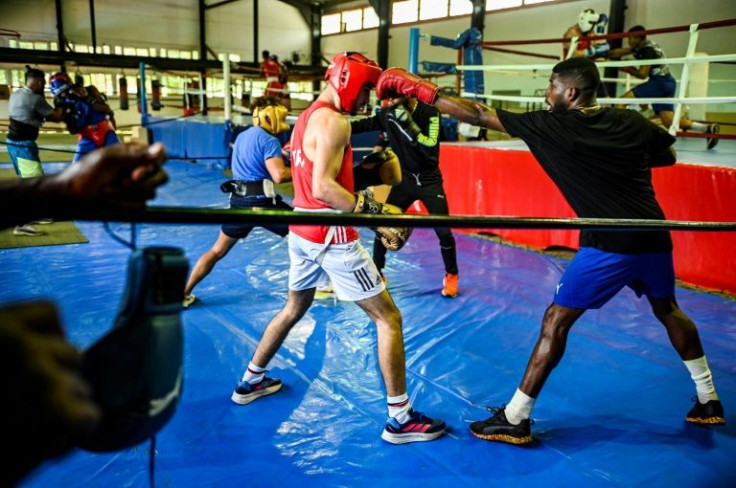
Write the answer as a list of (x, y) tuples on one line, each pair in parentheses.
[(470, 111), (396, 82)]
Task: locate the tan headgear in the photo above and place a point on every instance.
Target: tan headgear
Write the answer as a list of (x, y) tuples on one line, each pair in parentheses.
[(271, 118)]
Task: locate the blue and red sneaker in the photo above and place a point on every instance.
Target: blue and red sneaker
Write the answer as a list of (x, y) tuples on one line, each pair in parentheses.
[(418, 428), (245, 392)]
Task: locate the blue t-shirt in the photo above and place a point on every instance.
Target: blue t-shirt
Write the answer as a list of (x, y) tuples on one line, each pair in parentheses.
[(252, 148)]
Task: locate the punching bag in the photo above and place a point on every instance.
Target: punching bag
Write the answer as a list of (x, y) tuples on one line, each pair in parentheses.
[(123, 91)]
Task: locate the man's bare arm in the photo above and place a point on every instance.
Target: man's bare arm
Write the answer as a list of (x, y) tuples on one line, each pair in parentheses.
[(328, 134), (469, 111)]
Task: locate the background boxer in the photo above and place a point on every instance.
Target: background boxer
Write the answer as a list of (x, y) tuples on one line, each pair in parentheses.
[(257, 164)]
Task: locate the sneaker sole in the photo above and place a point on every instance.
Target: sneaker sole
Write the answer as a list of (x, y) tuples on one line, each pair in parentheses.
[(246, 399), (410, 437), (517, 441), (447, 295), (706, 421)]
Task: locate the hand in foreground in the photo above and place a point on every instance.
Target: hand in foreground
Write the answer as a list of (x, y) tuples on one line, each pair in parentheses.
[(125, 175), (47, 408)]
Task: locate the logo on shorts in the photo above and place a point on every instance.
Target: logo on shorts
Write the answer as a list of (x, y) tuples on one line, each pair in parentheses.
[(559, 285)]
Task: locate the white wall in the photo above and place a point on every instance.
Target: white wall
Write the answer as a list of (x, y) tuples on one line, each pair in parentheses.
[(164, 23)]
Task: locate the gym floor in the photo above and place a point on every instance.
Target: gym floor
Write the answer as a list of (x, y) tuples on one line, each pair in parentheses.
[(612, 414)]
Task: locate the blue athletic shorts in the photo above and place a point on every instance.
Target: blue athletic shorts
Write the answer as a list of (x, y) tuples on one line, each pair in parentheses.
[(657, 87), (595, 276), (25, 158)]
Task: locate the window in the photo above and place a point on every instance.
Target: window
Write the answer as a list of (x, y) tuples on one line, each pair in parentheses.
[(352, 20), (501, 4), (461, 7), (404, 12), (331, 24), (370, 19), (432, 9)]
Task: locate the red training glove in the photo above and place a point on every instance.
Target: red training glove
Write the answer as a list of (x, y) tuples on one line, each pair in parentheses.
[(397, 82)]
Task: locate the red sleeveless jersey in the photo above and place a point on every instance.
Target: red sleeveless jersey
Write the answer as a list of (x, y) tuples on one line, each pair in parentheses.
[(301, 174)]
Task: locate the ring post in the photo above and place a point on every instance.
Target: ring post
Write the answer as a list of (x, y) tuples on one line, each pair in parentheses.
[(413, 50), (228, 88), (684, 77), (142, 93)]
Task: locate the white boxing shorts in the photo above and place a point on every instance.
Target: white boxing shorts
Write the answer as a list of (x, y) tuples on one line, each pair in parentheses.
[(353, 274)]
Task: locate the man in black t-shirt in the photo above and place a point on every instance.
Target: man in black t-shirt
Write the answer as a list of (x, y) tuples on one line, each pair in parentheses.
[(601, 159), (412, 129)]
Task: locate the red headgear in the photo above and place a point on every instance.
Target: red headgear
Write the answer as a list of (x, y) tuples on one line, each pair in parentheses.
[(348, 73)]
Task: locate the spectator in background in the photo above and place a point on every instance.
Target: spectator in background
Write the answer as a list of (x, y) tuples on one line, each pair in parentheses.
[(283, 79), (659, 84), (271, 71), (28, 110)]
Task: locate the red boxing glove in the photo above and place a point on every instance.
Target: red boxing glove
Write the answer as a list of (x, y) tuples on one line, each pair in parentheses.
[(397, 82)]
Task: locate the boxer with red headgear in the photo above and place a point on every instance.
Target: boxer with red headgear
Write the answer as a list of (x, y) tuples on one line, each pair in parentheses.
[(322, 171), (352, 75)]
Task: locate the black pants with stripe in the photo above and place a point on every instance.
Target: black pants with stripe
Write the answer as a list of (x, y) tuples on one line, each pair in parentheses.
[(433, 197)]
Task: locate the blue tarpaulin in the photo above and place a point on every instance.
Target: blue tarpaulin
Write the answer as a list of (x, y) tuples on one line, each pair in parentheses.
[(612, 413)]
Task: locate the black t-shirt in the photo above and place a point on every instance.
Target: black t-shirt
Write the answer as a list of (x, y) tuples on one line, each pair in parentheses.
[(601, 162), (419, 154)]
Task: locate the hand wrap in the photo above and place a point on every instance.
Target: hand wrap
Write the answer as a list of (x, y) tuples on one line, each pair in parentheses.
[(392, 238)]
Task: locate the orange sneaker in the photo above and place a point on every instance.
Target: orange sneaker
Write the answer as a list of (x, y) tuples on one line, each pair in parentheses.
[(449, 286)]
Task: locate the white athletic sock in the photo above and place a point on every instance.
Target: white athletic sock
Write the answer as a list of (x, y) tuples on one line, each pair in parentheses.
[(701, 375), (254, 374), (398, 407), (699, 127), (519, 408)]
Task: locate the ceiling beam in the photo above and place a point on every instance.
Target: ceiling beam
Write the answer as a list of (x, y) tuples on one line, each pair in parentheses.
[(21, 57)]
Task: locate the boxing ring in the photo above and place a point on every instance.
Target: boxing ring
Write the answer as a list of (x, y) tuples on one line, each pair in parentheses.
[(611, 415)]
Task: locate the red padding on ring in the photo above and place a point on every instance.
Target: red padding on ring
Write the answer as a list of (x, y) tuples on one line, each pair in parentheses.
[(484, 181)]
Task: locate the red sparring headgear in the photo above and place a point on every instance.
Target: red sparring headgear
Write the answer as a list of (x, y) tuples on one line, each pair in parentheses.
[(348, 73)]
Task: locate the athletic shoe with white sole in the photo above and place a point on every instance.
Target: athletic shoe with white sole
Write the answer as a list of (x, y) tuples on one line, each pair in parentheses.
[(27, 230), (418, 428), (245, 392)]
